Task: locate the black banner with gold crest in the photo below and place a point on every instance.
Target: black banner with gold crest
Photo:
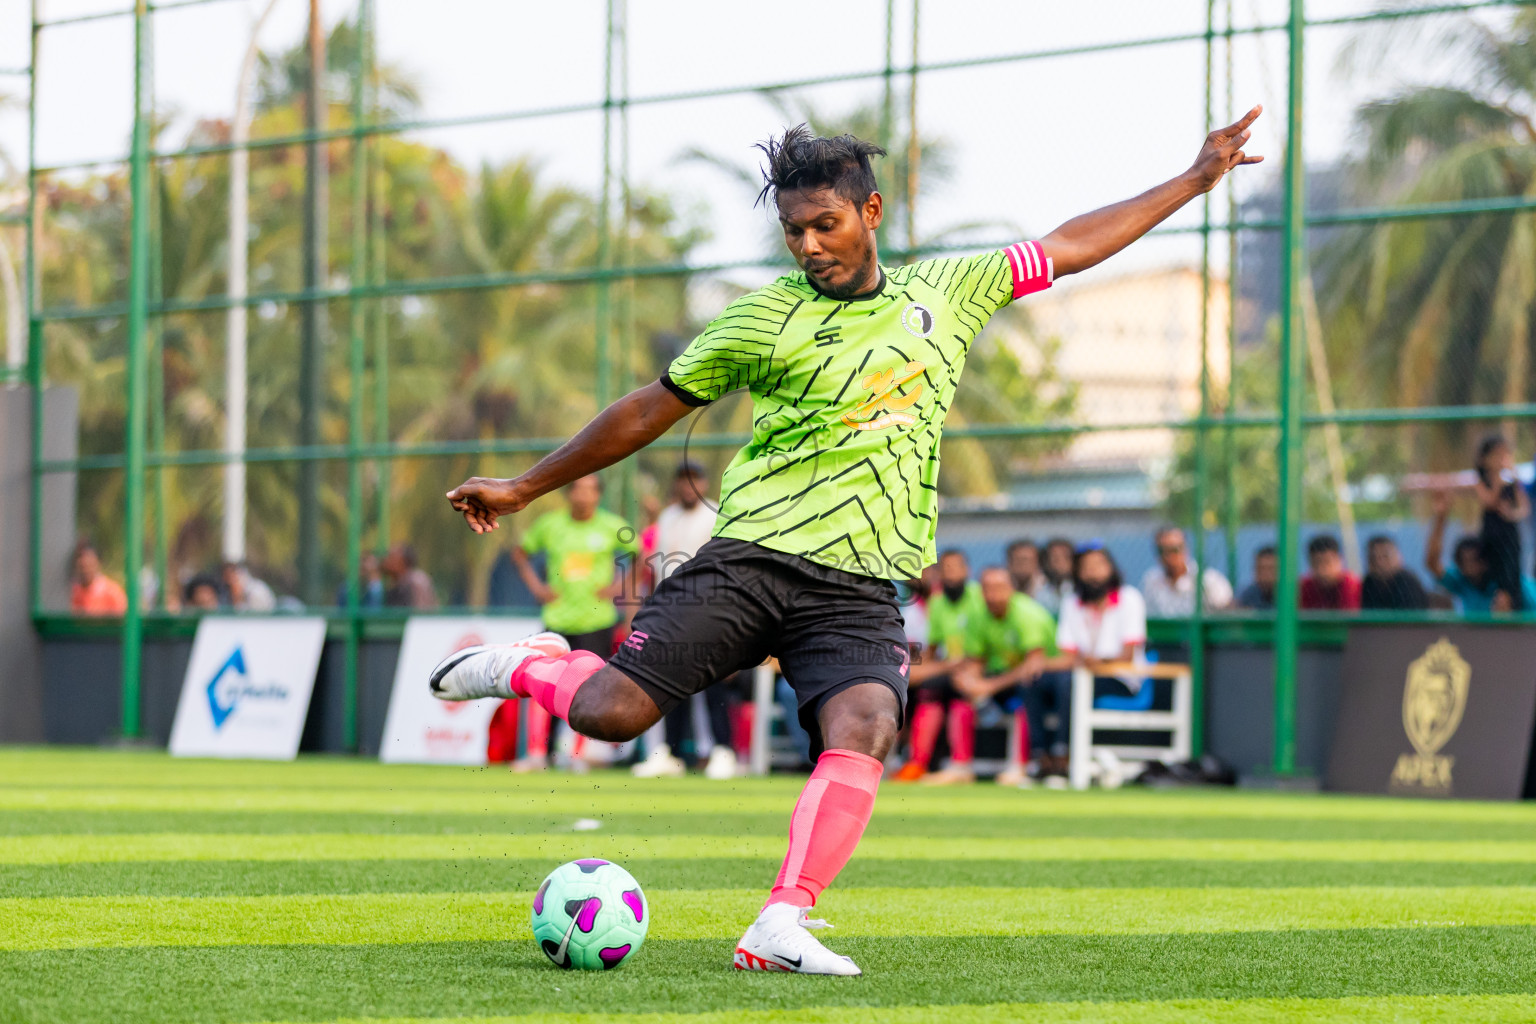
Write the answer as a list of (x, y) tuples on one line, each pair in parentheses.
[(1436, 711)]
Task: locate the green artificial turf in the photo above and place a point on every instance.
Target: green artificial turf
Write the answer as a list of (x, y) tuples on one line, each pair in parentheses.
[(138, 888)]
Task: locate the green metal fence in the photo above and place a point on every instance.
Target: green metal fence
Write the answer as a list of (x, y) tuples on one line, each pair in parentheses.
[(614, 272)]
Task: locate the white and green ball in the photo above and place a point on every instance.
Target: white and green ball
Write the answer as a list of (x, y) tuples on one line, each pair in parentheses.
[(590, 915)]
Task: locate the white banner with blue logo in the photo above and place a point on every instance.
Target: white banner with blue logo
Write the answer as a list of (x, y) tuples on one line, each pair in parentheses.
[(420, 729), (247, 688)]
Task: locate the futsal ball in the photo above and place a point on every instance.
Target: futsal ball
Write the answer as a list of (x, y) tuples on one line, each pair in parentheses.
[(590, 915)]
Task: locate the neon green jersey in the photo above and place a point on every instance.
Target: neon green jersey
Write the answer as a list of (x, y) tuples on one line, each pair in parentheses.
[(848, 401), (947, 619), (579, 566), (1001, 643)]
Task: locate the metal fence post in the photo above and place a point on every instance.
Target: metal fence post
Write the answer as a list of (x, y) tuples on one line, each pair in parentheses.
[(1292, 362), (138, 299), (1202, 435), (34, 322)]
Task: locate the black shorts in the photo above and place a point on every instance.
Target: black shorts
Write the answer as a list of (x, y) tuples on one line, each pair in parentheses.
[(735, 603)]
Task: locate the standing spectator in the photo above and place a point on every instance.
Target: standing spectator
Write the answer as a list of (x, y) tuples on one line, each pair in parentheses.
[(1024, 568), (1330, 586), (91, 591), (1467, 579), (957, 599), (1505, 506), (1389, 585), (409, 585), (1260, 594), (580, 543), (683, 527), (244, 592), (1169, 586), (1006, 648), (1057, 566)]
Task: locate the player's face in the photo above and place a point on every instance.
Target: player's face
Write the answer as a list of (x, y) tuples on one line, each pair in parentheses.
[(954, 571), (832, 239), (1024, 561), (1266, 570), (1327, 566), (584, 496), (1384, 559), (1058, 561), (690, 490)]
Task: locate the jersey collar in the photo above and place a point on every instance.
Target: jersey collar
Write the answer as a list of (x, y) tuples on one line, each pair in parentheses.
[(879, 289)]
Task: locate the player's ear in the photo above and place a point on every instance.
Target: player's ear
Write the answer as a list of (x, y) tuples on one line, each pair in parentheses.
[(873, 211)]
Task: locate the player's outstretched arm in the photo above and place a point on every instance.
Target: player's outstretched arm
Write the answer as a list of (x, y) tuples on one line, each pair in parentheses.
[(620, 430), (1094, 237)]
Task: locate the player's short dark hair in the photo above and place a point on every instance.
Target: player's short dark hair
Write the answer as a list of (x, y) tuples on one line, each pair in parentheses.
[(1022, 542), (1322, 544), (688, 467), (1267, 551), (1059, 542), (1472, 544), (800, 160), (1378, 540), (947, 552)]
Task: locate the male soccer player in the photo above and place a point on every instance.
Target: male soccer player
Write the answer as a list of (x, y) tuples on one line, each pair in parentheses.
[(851, 367)]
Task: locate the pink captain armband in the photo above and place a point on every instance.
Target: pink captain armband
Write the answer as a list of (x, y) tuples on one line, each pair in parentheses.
[(1032, 269)]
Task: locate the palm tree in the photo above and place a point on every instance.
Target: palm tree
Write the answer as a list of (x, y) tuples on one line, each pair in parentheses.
[(1439, 311)]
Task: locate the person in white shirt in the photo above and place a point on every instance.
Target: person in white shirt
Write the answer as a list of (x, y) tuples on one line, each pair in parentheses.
[(1103, 620), (1169, 586), (682, 528)]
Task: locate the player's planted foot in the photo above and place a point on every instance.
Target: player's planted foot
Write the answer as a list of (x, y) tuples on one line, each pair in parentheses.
[(486, 670), (778, 941), (954, 775)]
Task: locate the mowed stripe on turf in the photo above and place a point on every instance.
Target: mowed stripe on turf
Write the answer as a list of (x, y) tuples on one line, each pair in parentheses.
[(616, 792), (115, 921), (1446, 1009), (69, 849)]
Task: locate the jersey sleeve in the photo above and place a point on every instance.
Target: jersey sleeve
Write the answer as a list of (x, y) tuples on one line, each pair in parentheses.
[(985, 284), (735, 350), (536, 537)]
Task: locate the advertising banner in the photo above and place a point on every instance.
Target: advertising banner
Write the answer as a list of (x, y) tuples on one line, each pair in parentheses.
[(247, 688), (419, 728), (1436, 711)]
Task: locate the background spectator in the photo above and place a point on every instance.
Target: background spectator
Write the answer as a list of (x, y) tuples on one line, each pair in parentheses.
[(1024, 568), (370, 584), (1388, 585), (409, 586), (1260, 594), (1505, 505), (1103, 620), (244, 592), (1467, 579), (1057, 566), (1169, 586), (202, 594), (1329, 586), (91, 591), (956, 599)]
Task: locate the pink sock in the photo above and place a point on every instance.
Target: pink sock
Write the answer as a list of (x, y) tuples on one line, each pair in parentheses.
[(927, 720), (551, 682), (962, 732), (1021, 719), (828, 822)]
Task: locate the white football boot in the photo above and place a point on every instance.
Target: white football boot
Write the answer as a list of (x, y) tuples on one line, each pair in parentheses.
[(722, 763), (778, 941), (486, 669), (660, 764)]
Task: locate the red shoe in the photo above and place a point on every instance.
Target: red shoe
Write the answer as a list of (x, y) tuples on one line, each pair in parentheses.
[(909, 772)]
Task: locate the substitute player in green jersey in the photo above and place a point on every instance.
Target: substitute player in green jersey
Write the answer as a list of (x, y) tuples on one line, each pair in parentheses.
[(851, 367)]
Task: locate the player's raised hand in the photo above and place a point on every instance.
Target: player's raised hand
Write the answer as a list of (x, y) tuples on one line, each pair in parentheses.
[(1223, 150), (483, 499)]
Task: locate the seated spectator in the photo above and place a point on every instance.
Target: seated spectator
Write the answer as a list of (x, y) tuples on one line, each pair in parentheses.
[(1024, 568), (245, 592), (91, 591), (1329, 586), (1103, 620), (1260, 594), (956, 600), (1057, 566), (1467, 579), (202, 595), (370, 584), (1169, 586), (1388, 584), (1006, 648), (410, 587)]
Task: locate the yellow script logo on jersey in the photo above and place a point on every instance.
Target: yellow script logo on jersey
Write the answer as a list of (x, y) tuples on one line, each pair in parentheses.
[(884, 405)]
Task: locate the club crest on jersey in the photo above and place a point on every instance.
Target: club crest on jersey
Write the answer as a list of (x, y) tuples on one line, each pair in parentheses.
[(918, 320), (885, 407)]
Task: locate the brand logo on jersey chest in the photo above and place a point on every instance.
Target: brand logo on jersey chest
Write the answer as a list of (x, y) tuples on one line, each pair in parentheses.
[(918, 320)]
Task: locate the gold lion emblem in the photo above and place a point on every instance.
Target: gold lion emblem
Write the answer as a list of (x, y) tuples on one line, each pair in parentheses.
[(1435, 697)]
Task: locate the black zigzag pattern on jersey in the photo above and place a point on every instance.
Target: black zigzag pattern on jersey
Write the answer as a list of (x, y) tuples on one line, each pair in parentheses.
[(736, 349)]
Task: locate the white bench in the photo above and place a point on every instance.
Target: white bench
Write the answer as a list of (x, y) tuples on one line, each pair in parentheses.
[(1087, 719)]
